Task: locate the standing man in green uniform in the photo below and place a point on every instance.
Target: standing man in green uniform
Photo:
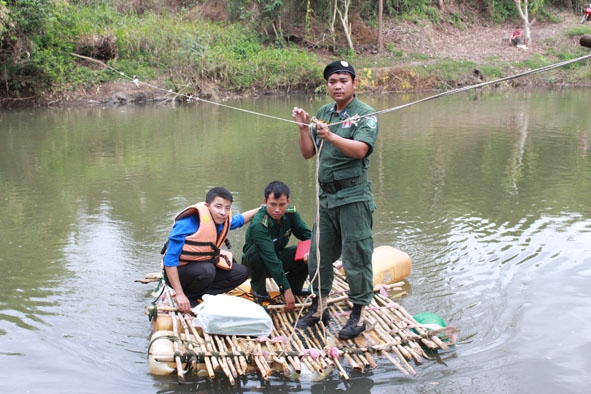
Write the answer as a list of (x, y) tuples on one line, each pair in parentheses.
[(265, 251), (345, 134)]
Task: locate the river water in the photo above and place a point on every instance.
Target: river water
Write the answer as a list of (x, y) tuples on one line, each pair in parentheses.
[(489, 193)]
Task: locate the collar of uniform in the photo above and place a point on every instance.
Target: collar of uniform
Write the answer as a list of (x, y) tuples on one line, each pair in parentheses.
[(268, 221), (344, 114)]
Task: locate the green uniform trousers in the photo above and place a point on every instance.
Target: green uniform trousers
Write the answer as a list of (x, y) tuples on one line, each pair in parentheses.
[(345, 231), (296, 272)]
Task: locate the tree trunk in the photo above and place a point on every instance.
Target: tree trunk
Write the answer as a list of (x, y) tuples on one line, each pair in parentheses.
[(527, 24), (344, 15), (332, 28), (380, 25)]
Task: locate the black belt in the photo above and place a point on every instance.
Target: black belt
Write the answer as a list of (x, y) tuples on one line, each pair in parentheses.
[(335, 186)]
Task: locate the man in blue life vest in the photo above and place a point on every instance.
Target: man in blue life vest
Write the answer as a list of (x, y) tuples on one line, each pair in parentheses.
[(265, 251), (194, 263), (345, 133)]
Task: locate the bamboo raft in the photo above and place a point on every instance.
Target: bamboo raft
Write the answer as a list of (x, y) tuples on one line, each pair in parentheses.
[(392, 333)]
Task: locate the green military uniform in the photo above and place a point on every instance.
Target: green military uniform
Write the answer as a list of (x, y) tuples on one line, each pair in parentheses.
[(267, 255), (346, 204)]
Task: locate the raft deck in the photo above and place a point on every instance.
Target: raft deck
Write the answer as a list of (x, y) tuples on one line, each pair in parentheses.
[(391, 333)]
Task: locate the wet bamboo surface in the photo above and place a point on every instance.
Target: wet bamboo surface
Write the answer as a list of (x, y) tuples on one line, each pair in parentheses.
[(391, 334)]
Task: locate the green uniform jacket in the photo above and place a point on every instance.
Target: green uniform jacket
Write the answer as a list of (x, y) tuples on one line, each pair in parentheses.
[(271, 237), (334, 165)]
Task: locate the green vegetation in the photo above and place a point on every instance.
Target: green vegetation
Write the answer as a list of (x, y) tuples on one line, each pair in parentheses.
[(173, 48), (578, 31), (51, 47)]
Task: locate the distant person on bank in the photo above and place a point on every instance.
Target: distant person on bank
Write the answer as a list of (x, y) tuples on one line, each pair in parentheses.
[(515, 37)]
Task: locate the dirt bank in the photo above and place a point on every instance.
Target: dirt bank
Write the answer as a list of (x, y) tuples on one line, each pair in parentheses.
[(478, 43), (481, 43)]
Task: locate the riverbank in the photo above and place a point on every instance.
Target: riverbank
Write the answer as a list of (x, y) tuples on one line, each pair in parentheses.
[(418, 56)]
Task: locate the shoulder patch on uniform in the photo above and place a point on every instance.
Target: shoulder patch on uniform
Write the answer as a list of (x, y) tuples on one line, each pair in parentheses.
[(290, 209), (372, 121), (265, 220)]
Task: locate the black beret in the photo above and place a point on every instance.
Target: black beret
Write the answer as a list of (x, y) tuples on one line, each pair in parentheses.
[(339, 66)]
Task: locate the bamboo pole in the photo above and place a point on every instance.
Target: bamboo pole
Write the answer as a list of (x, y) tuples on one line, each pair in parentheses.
[(336, 312), (284, 365), (239, 356), (394, 360), (177, 359), (312, 343), (342, 372), (266, 369), (337, 362), (259, 363), (244, 348), (285, 347), (222, 349), (393, 323), (189, 341), (163, 308), (297, 344), (293, 361), (307, 304), (303, 360), (318, 339), (350, 360), (175, 343), (432, 342), (394, 348), (367, 357), (407, 351), (222, 361), (277, 356), (211, 362)]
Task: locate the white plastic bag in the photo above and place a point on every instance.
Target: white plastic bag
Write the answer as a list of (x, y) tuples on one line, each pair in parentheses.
[(228, 315)]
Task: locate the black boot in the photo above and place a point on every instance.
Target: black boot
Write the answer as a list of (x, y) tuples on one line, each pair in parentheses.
[(356, 323), (261, 298), (313, 315)]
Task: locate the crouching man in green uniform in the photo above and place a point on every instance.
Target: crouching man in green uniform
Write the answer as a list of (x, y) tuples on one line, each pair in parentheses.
[(265, 251), (345, 220)]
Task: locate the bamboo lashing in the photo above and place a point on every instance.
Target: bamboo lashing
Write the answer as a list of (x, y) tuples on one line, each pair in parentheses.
[(241, 364), (210, 362)]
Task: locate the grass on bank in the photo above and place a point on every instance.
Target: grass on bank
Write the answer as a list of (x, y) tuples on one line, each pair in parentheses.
[(179, 51)]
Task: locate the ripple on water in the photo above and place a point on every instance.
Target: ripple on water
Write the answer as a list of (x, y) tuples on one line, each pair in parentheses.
[(474, 271)]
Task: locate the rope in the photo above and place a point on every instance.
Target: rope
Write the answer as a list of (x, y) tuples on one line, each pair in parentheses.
[(191, 98), (469, 87), (171, 338), (480, 85), (317, 213), (317, 239)]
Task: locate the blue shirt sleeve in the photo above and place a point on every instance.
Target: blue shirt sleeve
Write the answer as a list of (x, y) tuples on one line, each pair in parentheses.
[(237, 221)]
